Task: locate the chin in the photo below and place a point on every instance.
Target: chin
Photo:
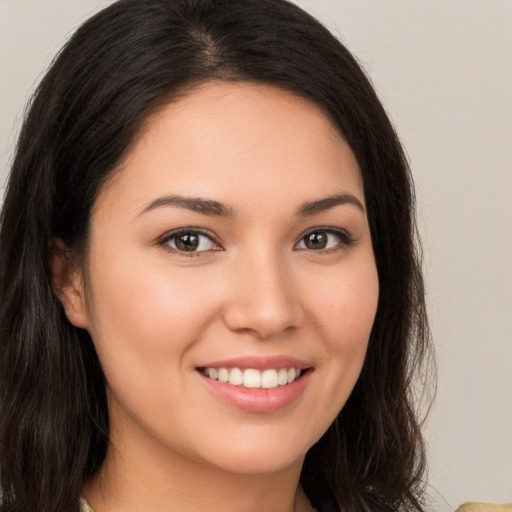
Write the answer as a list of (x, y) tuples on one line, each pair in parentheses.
[(258, 462), (252, 452)]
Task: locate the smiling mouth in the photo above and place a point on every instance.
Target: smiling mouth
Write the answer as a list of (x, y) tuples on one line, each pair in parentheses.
[(252, 378)]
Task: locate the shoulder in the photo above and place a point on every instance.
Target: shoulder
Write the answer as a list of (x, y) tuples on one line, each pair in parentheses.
[(484, 507)]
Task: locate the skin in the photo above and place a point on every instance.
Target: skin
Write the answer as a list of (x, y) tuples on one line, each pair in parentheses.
[(155, 314)]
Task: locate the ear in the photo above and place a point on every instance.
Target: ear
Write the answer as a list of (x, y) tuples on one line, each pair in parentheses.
[(67, 283)]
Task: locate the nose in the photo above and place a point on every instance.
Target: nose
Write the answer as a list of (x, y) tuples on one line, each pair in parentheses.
[(264, 302)]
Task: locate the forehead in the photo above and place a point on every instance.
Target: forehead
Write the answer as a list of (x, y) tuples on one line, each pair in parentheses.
[(228, 140)]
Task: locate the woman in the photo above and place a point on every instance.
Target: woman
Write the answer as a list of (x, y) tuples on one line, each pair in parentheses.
[(210, 291)]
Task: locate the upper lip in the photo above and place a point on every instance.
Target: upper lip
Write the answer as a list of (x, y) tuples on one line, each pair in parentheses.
[(259, 363)]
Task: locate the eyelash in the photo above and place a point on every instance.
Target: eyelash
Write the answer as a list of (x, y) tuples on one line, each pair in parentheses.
[(173, 235), (344, 240)]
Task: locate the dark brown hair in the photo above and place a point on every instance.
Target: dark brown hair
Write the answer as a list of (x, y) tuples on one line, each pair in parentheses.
[(118, 67)]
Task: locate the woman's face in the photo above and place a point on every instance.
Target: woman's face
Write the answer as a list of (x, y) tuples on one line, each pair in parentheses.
[(232, 245)]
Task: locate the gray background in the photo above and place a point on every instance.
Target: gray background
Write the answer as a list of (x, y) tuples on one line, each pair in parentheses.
[(443, 69)]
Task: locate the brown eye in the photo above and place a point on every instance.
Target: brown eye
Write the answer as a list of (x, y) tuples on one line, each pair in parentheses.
[(189, 241), (316, 241), (324, 240)]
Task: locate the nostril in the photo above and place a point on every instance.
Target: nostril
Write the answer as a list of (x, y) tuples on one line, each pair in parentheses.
[(261, 321)]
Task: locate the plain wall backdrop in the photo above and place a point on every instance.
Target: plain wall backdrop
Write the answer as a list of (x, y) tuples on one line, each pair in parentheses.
[(443, 69)]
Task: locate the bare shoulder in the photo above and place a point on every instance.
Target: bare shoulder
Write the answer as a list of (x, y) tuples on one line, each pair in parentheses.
[(484, 507)]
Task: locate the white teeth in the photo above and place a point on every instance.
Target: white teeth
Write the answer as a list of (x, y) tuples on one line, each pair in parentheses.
[(282, 377), (223, 375), (251, 378), (269, 379), (236, 377)]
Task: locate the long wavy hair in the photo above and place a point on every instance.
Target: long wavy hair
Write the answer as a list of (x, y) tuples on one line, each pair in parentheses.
[(119, 66)]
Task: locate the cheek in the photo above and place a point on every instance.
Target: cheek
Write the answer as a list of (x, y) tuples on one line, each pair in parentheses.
[(343, 309), (345, 312), (145, 325), (347, 304), (145, 313)]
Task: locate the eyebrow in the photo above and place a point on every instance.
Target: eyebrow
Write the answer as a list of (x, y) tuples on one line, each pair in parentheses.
[(214, 208), (313, 207), (195, 204)]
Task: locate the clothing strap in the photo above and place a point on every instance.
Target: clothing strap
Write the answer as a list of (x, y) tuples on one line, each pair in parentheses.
[(84, 506)]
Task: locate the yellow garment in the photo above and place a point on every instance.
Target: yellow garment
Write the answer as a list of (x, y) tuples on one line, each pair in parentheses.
[(484, 507)]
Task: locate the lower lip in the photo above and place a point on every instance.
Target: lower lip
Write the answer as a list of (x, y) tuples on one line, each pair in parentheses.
[(258, 399)]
